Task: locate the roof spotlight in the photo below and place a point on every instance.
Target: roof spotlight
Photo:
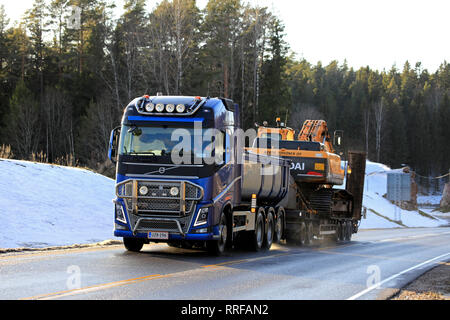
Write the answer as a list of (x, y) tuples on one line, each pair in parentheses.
[(181, 108), (170, 108), (150, 107), (159, 107)]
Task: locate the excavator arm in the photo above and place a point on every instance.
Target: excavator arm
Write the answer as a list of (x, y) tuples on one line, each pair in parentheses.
[(316, 131)]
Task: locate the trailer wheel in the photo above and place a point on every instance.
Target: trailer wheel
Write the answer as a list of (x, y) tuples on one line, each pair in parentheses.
[(338, 234), (309, 233), (279, 226), (269, 230), (301, 235), (217, 247), (257, 236), (348, 232), (133, 244)]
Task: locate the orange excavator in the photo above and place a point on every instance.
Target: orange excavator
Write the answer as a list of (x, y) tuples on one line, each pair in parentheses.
[(315, 169), (312, 154)]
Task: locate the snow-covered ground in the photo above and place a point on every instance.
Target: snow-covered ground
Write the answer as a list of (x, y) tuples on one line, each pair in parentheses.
[(47, 205), (381, 213)]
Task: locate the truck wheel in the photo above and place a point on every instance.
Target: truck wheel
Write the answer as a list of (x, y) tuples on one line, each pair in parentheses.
[(301, 236), (279, 226), (217, 247), (257, 236), (341, 231), (349, 232), (133, 244), (338, 235), (268, 237), (309, 233)]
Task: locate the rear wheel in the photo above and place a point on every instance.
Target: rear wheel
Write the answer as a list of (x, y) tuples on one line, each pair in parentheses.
[(309, 233), (279, 226), (301, 235), (349, 232), (269, 234), (257, 236), (133, 244)]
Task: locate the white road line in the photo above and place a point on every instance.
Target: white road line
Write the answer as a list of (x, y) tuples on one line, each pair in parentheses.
[(377, 285)]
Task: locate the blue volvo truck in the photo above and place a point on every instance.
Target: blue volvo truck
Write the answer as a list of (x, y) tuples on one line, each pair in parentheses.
[(183, 178)]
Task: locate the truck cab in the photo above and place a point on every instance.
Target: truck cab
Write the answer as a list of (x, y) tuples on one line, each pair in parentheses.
[(175, 174)]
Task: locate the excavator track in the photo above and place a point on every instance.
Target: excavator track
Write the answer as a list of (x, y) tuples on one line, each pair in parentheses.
[(322, 201)]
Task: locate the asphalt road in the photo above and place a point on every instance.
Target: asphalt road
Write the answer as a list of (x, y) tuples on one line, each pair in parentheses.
[(372, 266)]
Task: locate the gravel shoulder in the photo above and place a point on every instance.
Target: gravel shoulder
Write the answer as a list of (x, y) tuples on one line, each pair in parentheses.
[(433, 285)]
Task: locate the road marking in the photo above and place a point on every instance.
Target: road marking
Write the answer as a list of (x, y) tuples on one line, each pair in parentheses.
[(377, 285), (60, 294), (413, 237), (245, 260)]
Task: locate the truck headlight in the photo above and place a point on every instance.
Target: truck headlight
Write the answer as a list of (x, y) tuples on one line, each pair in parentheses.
[(150, 107), (202, 217), (159, 107), (120, 214), (181, 108), (170, 108), (143, 190), (174, 191)]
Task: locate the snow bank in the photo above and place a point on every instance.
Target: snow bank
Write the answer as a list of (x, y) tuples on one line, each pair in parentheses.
[(381, 213), (47, 205)]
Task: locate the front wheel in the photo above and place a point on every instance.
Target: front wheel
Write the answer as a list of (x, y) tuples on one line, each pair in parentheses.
[(133, 244), (217, 247)]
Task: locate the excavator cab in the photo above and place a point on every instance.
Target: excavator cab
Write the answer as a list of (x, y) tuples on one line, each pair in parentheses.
[(280, 132), (312, 154)]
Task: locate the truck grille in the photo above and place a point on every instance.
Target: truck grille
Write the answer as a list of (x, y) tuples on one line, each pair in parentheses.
[(145, 224), (158, 209)]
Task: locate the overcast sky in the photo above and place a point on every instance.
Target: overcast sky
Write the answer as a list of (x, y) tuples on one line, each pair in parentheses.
[(378, 33)]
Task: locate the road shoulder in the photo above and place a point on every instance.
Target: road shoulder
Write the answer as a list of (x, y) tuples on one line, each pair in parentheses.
[(432, 285)]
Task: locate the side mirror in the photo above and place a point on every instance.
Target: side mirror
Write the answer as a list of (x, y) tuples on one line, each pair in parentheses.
[(113, 145)]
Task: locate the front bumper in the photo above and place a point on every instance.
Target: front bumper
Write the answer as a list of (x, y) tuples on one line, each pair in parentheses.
[(172, 236)]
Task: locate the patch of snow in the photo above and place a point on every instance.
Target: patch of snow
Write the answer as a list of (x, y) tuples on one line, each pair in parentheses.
[(48, 205)]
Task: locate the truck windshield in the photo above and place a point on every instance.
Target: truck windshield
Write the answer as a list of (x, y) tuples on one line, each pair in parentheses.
[(165, 141)]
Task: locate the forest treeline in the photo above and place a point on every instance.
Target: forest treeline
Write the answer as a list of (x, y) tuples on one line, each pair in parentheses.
[(66, 78)]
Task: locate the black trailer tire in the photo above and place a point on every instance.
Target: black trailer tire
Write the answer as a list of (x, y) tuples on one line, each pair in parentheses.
[(133, 244), (217, 247), (349, 231), (279, 225), (338, 235), (301, 236), (257, 235), (309, 233), (269, 228)]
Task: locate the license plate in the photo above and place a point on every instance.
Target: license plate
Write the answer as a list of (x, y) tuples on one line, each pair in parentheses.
[(158, 235)]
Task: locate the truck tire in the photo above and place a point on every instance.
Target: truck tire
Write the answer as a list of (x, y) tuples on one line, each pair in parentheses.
[(349, 231), (257, 236), (309, 233), (269, 228), (133, 244), (217, 247), (279, 226)]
